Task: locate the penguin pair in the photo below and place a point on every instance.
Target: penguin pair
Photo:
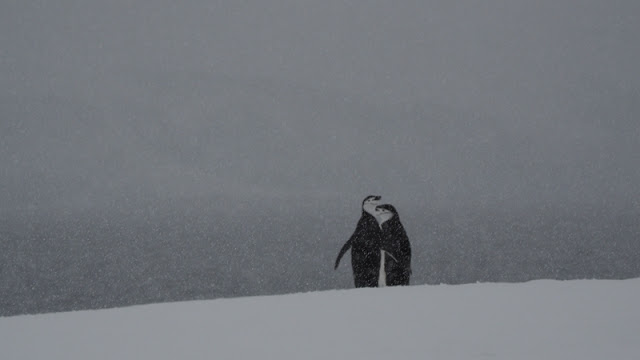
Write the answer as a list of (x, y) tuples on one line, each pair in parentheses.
[(380, 248)]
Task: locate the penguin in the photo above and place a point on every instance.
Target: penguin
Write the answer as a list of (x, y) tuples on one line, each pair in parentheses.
[(383, 216), (395, 245), (365, 245)]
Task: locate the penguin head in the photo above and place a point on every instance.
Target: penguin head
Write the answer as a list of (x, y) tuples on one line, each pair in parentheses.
[(387, 208), (369, 204), (385, 212)]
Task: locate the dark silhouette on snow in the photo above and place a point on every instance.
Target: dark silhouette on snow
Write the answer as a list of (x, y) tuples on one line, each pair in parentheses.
[(395, 242), (365, 246)]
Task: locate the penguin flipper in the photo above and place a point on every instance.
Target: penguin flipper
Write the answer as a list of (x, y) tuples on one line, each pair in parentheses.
[(344, 249), (390, 254)]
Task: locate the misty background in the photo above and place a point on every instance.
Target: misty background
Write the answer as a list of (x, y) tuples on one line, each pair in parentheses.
[(159, 150)]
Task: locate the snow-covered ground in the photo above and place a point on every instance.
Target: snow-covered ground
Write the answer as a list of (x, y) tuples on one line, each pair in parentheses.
[(584, 319)]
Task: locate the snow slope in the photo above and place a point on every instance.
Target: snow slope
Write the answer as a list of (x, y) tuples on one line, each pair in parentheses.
[(585, 319)]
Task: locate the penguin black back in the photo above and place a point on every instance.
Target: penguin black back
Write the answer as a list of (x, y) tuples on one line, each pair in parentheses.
[(396, 243), (365, 246)]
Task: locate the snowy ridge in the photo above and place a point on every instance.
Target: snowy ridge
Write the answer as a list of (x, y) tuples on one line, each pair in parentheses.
[(545, 319)]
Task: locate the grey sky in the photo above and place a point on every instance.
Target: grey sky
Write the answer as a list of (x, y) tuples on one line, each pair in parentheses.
[(437, 102)]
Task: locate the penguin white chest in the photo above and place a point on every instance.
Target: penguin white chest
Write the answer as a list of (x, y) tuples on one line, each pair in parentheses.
[(382, 276)]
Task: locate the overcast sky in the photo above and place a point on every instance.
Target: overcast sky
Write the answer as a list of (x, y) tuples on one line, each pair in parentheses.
[(425, 102)]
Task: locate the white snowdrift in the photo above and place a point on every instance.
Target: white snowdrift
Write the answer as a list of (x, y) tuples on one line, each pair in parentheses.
[(586, 319)]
